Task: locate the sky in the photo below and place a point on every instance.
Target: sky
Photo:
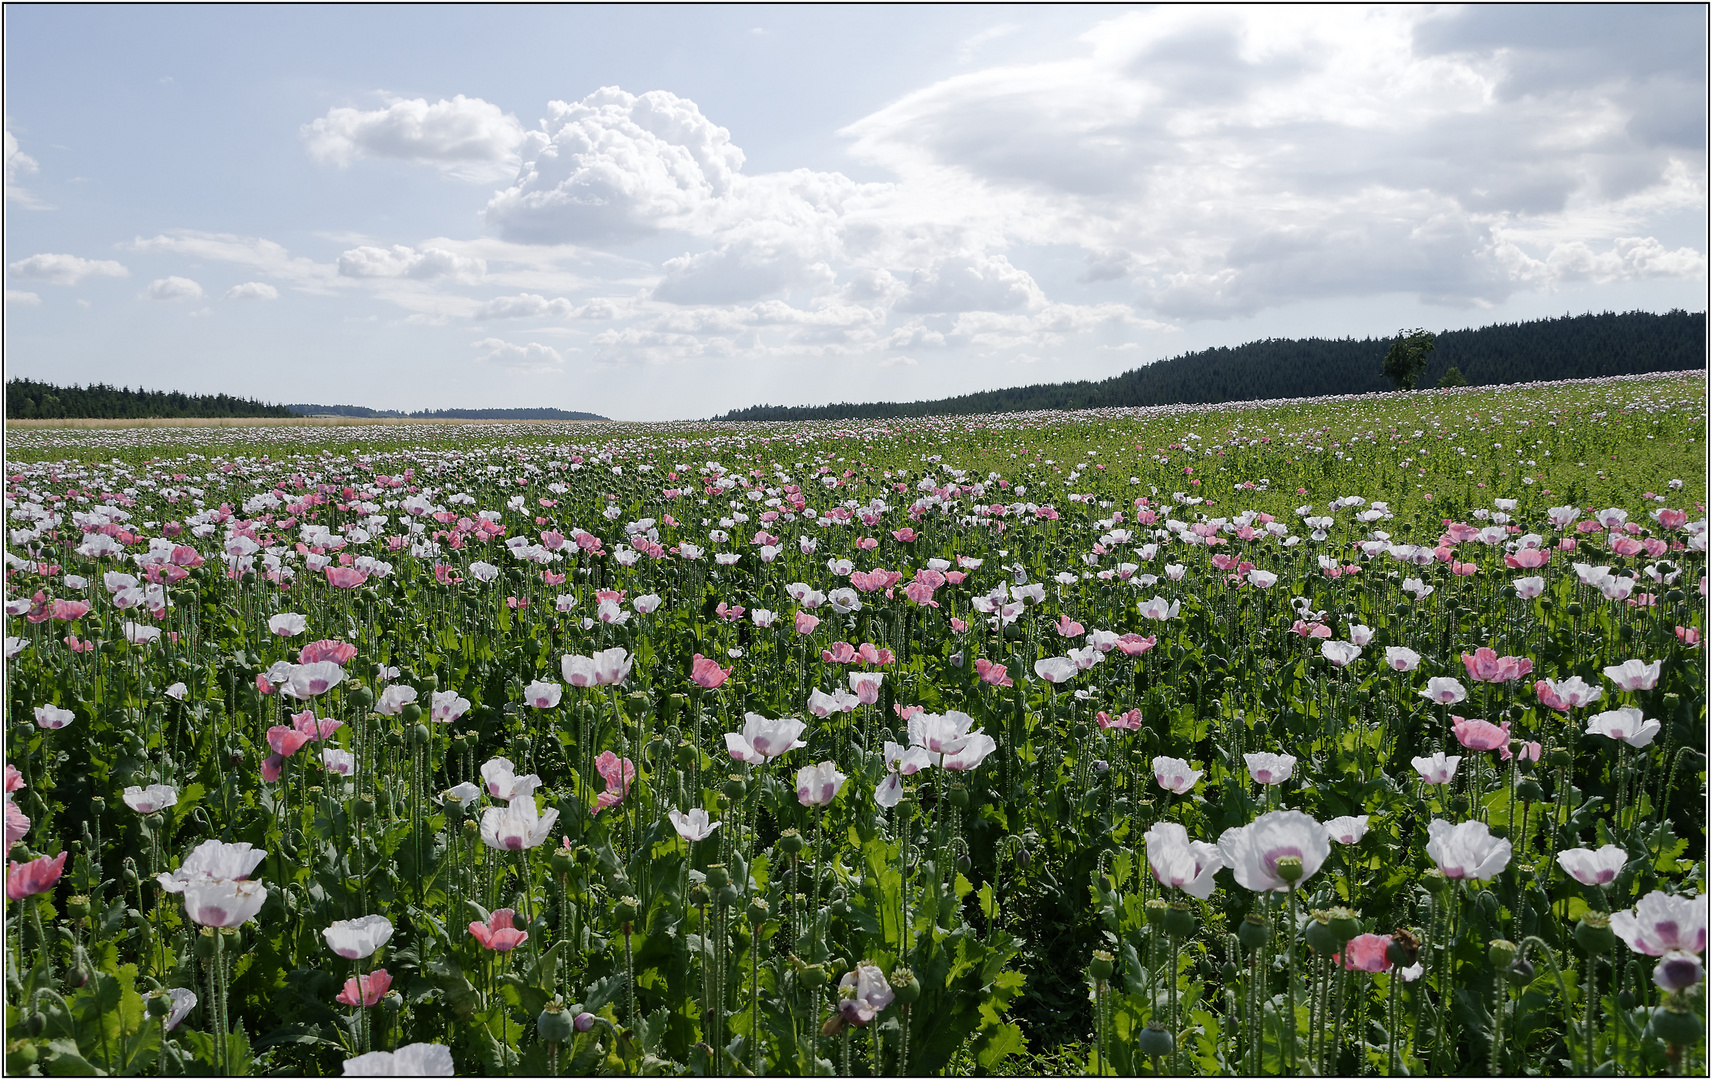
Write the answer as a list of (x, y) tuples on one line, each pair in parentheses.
[(666, 213)]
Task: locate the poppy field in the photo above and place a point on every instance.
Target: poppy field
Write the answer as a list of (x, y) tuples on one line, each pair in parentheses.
[(1354, 736)]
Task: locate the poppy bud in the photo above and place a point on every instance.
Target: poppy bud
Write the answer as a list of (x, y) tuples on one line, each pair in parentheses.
[(959, 796), (471, 827), (1521, 973), (158, 1005), (418, 734), (1252, 932), (814, 976), (1593, 933), (688, 755), (1180, 920), (1458, 805), (411, 713), (584, 1022), (555, 1024), (1229, 971), (735, 788), (718, 876), (204, 946), (363, 697), (562, 860), (77, 907), (1100, 967), (1154, 1040), (35, 1024), (1573, 609), (758, 911), (791, 842), (964, 863), (1529, 790), (699, 896), (1023, 858)]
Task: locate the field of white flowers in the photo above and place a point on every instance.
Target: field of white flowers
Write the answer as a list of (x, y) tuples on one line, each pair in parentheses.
[(1341, 737)]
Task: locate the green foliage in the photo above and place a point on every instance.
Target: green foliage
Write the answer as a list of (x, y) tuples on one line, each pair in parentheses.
[(27, 399), (1407, 358)]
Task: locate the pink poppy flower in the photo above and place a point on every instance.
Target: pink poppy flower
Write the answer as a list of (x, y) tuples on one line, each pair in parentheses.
[(272, 765), (1066, 627), (1689, 636), (345, 577), (1484, 665), (1135, 644), (17, 824), (707, 674), (35, 876), (316, 651), (1129, 721), (1528, 559), (842, 652), (498, 933), (286, 741), (991, 673), (1481, 735), (311, 728), (1365, 952), (805, 623), (365, 990)]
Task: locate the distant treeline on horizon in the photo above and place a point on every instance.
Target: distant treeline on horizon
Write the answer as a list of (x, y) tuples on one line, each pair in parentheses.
[(1543, 350), (27, 399)]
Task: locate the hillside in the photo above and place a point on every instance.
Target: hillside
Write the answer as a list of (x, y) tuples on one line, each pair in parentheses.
[(1572, 347)]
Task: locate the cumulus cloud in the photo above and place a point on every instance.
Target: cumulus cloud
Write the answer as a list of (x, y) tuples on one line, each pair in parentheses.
[(22, 298), (979, 283), (532, 358), (18, 166), (402, 261), (252, 290), (173, 288), (64, 269), (615, 165), (465, 137)]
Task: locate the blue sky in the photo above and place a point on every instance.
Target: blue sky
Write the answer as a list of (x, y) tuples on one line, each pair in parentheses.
[(659, 213)]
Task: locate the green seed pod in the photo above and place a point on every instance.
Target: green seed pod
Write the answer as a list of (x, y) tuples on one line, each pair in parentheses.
[(411, 713), (688, 755), (1252, 932), (699, 895), (1673, 596), (815, 976), (158, 1005), (736, 787), (1573, 609), (472, 828), (585, 856), (1345, 923), (791, 842), (430, 683), (1626, 631), (1319, 935), (363, 807), (1154, 1040), (555, 1025), (395, 739), (758, 911), (1675, 1024), (562, 860), (77, 907), (1100, 967), (627, 909), (959, 796), (1289, 868), (1593, 933), (1500, 953), (1529, 790), (1180, 921), (363, 697), (1229, 971), (419, 734), (1154, 910), (204, 946), (906, 989), (1558, 757), (718, 876), (393, 1002)]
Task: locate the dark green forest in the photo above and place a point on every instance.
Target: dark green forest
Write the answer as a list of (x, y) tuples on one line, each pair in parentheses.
[(1571, 347), (27, 399)]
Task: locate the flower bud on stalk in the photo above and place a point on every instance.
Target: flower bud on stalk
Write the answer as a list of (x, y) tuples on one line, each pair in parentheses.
[(1252, 932), (1100, 967), (1180, 921), (1593, 933)]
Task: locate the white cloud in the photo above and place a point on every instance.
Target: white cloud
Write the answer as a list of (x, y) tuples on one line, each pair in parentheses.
[(252, 290), (982, 283), (26, 299), (465, 137), (532, 358), (402, 261), (173, 288), (64, 269), (615, 165), (19, 165), (255, 253)]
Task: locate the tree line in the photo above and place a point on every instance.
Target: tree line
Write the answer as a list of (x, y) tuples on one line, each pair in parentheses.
[(27, 399), (1571, 347)]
